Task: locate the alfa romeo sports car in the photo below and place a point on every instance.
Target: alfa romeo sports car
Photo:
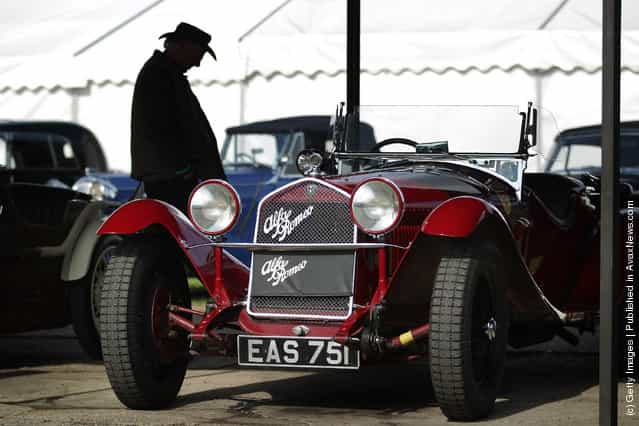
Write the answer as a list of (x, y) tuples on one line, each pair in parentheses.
[(434, 245)]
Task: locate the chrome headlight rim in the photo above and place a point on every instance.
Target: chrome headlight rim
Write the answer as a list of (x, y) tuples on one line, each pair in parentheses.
[(399, 196), (234, 197)]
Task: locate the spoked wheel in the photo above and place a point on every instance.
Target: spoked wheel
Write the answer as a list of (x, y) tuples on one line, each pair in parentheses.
[(469, 329), (145, 358), (85, 299)]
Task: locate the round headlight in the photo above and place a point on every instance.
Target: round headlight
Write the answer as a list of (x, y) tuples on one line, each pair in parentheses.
[(98, 188), (377, 205), (214, 207)]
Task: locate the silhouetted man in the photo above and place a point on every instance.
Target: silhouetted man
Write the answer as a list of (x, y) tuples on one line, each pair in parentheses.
[(172, 143)]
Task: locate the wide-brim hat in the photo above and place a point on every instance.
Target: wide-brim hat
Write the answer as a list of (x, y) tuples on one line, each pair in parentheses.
[(191, 33)]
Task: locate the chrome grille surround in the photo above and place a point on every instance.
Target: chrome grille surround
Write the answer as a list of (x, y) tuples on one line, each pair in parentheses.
[(329, 223)]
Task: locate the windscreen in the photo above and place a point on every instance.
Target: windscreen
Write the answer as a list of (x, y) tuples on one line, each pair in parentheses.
[(465, 129), (253, 149)]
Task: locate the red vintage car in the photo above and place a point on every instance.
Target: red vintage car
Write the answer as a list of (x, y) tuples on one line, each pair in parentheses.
[(421, 249)]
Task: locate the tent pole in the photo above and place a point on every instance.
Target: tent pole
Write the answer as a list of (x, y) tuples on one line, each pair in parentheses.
[(262, 21), (243, 88), (610, 223), (117, 28), (352, 55), (353, 22), (553, 14)]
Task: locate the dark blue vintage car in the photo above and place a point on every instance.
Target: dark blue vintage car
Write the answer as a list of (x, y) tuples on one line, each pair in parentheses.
[(259, 157)]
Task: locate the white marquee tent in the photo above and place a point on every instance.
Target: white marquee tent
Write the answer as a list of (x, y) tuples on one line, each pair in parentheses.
[(453, 52), (77, 60)]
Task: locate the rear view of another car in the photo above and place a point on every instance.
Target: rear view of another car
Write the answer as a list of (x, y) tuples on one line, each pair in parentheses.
[(49, 211)]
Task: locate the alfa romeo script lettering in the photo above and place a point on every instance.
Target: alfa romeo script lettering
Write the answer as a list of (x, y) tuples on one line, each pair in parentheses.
[(275, 270), (281, 224)]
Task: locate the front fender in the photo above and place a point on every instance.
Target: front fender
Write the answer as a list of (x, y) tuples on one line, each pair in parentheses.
[(139, 215), (470, 221), (458, 217)]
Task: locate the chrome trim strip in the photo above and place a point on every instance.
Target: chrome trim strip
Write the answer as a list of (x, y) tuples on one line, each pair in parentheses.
[(426, 157), (299, 246)]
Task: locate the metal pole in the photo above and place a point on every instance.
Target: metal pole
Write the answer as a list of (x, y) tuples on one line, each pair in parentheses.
[(352, 55), (610, 223), (352, 75), (117, 28)]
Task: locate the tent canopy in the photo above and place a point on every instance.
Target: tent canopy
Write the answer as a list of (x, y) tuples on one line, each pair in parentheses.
[(69, 43), (307, 37)]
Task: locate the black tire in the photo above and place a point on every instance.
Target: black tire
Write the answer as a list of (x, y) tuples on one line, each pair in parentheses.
[(84, 298), (466, 364), (144, 362)]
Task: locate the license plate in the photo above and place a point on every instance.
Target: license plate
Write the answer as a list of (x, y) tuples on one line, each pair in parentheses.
[(302, 352)]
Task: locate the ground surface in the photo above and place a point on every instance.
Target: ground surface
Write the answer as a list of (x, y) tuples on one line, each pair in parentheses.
[(45, 379)]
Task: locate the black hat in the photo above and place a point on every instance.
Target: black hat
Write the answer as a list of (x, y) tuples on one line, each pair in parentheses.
[(192, 33)]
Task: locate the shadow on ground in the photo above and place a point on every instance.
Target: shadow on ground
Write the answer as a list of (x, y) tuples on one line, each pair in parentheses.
[(532, 379), (40, 348)]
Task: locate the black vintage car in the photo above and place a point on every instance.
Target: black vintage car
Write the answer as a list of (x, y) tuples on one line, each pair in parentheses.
[(577, 152), (50, 208)]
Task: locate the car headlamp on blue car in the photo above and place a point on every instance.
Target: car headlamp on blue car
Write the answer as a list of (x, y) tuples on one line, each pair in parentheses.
[(99, 189), (377, 206), (214, 207)]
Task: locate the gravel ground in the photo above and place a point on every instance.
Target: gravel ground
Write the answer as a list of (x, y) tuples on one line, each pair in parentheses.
[(45, 379)]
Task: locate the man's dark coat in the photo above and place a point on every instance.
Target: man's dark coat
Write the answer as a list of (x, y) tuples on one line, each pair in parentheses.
[(170, 135)]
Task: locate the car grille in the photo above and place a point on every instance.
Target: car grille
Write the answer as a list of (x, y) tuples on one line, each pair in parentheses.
[(329, 222), (330, 306)]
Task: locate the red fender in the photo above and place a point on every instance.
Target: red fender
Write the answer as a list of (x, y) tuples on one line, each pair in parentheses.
[(458, 217), (138, 215)]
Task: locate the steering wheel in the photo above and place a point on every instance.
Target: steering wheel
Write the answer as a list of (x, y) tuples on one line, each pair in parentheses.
[(390, 141), (245, 156)]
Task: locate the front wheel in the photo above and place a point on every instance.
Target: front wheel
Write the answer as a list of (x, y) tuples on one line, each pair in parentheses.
[(145, 360), (469, 329)]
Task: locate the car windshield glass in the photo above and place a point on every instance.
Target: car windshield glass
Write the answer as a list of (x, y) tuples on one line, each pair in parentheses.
[(462, 129), (584, 154), (252, 149), (34, 150)]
